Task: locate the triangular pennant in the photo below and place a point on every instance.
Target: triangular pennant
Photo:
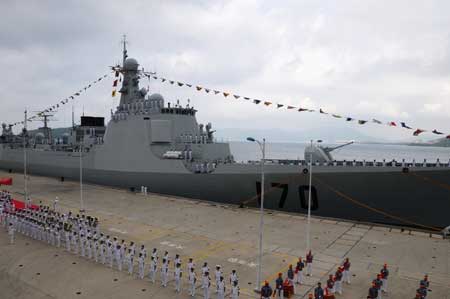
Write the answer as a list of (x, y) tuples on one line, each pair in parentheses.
[(199, 88), (216, 91), (99, 79), (436, 132), (392, 124), (154, 77), (405, 126), (256, 101), (279, 105), (349, 119), (225, 94), (180, 84), (321, 111), (448, 137), (207, 90), (188, 85), (336, 115), (236, 96), (417, 132), (361, 122), (267, 103), (290, 107), (77, 93), (163, 79), (302, 109), (247, 98), (377, 121), (72, 97), (105, 75), (171, 82)]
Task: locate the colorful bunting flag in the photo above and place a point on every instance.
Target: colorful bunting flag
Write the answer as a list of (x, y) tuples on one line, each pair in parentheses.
[(115, 83), (236, 96), (336, 115), (302, 109), (171, 82), (225, 94), (290, 107), (188, 85), (279, 105), (405, 126), (199, 88), (437, 132), (207, 90), (377, 121), (321, 111), (256, 101), (448, 137), (417, 132), (163, 79), (247, 98), (216, 91), (154, 77), (77, 93), (392, 124), (349, 119), (361, 122), (180, 84), (267, 103)]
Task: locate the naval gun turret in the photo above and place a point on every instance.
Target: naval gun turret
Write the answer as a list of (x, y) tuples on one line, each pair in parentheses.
[(321, 154)]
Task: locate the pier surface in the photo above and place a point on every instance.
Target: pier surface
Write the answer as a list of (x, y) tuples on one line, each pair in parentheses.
[(218, 234)]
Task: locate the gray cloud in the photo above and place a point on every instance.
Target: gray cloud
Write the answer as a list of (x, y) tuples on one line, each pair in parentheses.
[(382, 59)]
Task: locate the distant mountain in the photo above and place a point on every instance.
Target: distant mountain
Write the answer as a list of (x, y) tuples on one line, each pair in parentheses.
[(441, 142), (300, 135)]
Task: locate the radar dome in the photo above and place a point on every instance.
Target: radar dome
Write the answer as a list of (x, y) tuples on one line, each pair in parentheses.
[(131, 64), (156, 97)]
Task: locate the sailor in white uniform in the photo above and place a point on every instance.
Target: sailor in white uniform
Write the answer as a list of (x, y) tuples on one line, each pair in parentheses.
[(129, 261), (206, 283), (235, 290), (118, 257), (164, 271), (11, 231), (153, 268), (221, 288), (141, 265), (192, 281), (177, 275), (218, 274)]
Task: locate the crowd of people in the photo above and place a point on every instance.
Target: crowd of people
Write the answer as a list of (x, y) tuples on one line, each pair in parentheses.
[(80, 235)]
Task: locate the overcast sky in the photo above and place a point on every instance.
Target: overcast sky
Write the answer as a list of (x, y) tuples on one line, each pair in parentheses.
[(388, 60)]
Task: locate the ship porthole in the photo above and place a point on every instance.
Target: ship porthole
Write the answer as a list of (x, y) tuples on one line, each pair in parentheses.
[(305, 170)]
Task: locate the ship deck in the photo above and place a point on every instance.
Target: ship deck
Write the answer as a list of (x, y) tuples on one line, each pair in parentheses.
[(216, 233)]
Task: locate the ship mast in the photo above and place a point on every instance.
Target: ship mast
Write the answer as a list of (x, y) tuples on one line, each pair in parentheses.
[(125, 55), (24, 134)]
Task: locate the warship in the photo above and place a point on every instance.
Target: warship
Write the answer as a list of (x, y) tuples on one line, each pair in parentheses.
[(148, 142)]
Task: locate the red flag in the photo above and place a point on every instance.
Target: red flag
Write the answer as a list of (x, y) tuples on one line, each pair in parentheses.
[(5, 181), (417, 132), (448, 137), (392, 124)]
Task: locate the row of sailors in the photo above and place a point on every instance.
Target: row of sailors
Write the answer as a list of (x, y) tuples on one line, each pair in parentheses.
[(384, 163), (379, 284), (102, 249)]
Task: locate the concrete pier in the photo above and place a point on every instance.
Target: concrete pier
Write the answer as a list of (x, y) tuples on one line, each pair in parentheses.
[(218, 234)]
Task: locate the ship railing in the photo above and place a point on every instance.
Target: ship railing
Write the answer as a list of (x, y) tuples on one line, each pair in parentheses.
[(358, 163)]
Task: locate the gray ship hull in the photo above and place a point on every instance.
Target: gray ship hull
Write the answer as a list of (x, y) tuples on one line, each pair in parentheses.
[(387, 195)]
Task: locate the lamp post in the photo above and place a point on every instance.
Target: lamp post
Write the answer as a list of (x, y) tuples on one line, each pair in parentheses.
[(308, 226), (262, 146), (81, 180)]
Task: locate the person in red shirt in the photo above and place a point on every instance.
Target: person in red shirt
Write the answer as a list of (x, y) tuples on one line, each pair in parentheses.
[(309, 261), (330, 284)]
